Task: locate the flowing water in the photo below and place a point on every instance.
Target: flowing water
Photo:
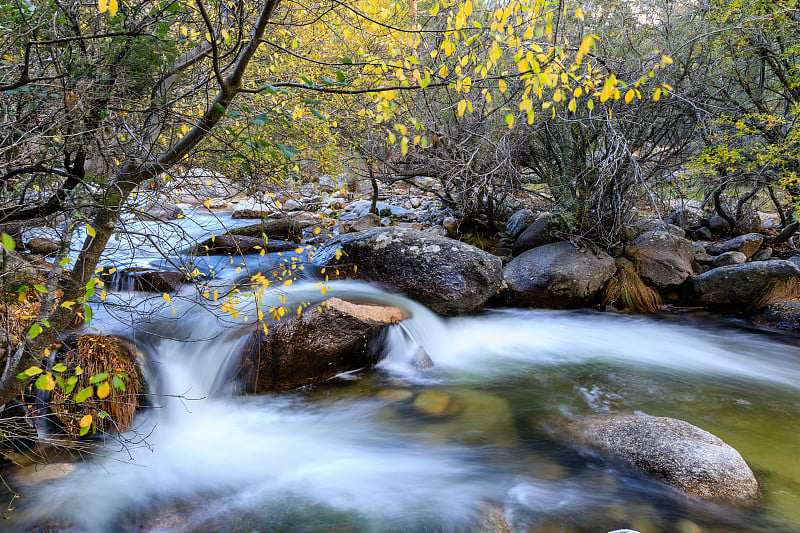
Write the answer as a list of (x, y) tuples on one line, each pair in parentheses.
[(357, 454)]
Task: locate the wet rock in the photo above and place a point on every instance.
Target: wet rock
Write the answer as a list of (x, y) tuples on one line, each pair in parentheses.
[(729, 258), (323, 341), (395, 395), (718, 225), (280, 228), (748, 244), (436, 403), (670, 450), (239, 244), (421, 359), (763, 254), (665, 259), (42, 246), (482, 419), (537, 234), (493, 520), (149, 280), (368, 220), (783, 315), (699, 248), (450, 224), (557, 275), (738, 286), (519, 221), (687, 218), (448, 276)]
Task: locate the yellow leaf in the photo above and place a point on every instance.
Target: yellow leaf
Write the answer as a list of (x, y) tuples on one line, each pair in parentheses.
[(573, 105), (112, 7), (462, 106), (287, 283), (435, 9), (102, 6), (90, 230), (86, 421), (629, 96), (657, 94), (468, 8), (502, 86), (579, 13), (207, 203), (166, 297), (103, 390)]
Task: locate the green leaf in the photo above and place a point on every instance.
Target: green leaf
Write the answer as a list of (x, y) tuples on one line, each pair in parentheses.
[(97, 378), (59, 367), (219, 108), (40, 288), (340, 76), (60, 382), (347, 61), (8, 242), (34, 331), (41, 382), (70, 385), (84, 431), (118, 383), (83, 394), (87, 314)]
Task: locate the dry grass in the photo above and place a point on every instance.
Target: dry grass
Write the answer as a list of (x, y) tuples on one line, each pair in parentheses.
[(626, 290), (97, 354), (780, 292)]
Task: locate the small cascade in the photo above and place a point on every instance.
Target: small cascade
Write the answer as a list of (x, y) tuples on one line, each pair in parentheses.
[(345, 455)]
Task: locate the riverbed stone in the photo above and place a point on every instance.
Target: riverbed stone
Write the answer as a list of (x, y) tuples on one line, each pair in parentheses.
[(336, 336), (537, 234), (718, 225), (558, 275), (519, 221), (252, 208), (747, 244), (738, 286), (451, 225), (39, 245), (764, 254), (665, 259), (146, 279), (227, 244), (670, 450), (448, 276), (284, 228), (687, 218), (783, 315), (367, 220), (729, 258)]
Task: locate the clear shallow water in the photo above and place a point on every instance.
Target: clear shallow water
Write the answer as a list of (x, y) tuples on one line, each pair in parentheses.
[(355, 454)]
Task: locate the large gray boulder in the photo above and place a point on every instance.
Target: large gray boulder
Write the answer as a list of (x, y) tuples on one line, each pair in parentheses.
[(446, 275), (673, 451), (666, 259), (325, 340), (537, 234), (738, 286), (558, 275)]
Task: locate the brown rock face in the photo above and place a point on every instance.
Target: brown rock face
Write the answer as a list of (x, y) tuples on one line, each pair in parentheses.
[(673, 451), (323, 341)]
